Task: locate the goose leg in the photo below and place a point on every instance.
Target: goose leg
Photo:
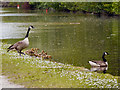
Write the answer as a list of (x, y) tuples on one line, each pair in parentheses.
[(18, 52), (22, 53)]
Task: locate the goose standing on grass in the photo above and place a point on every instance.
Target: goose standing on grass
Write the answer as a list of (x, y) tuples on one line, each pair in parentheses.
[(100, 63), (20, 45)]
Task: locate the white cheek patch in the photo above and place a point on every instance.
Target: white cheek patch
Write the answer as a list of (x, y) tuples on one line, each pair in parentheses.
[(106, 53), (30, 27)]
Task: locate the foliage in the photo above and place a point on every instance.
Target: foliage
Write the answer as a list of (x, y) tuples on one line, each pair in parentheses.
[(92, 7), (110, 8)]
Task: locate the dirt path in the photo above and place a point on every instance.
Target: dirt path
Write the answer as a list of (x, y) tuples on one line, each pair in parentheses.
[(5, 83)]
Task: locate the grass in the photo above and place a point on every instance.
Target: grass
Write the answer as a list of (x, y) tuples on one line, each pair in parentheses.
[(33, 72)]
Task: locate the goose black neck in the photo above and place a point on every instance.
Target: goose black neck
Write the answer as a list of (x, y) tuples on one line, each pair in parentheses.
[(103, 57), (27, 33)]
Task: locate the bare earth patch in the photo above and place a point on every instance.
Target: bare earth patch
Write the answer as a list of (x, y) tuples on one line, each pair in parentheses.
[(6, 84)]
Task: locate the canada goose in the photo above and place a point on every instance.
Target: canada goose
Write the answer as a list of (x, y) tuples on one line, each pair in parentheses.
[(20, 45), (100, 63)]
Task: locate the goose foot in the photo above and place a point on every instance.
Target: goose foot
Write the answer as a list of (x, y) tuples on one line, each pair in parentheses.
[(21, 53)]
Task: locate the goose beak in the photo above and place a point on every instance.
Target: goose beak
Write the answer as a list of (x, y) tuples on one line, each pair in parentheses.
[(31, 26), (106, 53)]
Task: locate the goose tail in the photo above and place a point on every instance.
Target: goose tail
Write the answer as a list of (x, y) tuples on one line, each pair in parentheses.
[(93, 64), (9, 48)]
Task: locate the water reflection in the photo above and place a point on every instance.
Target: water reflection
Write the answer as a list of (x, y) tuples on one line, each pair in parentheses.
[(21, 14), (99, 69)]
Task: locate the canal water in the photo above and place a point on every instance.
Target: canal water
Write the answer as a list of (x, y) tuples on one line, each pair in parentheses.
[(70, 38)]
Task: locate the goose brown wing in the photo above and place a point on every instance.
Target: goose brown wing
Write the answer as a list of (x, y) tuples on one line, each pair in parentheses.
[(14, 46), (97, 61), (101, 63)]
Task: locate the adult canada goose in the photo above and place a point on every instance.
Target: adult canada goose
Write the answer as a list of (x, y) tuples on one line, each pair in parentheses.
[(20, 45), (100, 63)]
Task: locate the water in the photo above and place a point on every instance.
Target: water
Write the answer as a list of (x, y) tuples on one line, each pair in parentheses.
[(68, 38)]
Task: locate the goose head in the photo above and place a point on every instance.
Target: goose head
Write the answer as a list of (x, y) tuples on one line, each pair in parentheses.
[(103, 56), (106, 53), (27, 34), (31, 27)]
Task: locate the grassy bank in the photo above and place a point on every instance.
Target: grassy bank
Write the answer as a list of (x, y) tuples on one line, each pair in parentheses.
[(33, 72)]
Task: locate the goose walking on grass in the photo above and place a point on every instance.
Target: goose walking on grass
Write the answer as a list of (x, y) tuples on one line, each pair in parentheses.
[(103, 63), (20, 45)]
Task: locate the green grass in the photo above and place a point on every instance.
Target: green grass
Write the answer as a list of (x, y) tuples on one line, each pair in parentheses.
[(33, 72)]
